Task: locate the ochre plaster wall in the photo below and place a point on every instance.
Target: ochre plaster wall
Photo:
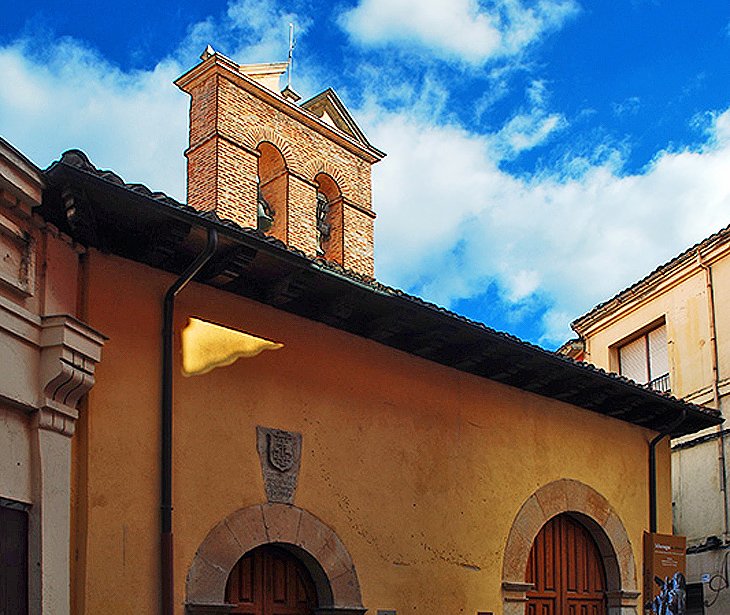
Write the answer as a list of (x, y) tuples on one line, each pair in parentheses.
[(418, 468)]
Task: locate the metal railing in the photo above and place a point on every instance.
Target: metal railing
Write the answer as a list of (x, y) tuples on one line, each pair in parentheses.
[(661, 384)]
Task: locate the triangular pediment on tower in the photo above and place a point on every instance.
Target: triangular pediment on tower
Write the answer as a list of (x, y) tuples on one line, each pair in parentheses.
[(328, 107)]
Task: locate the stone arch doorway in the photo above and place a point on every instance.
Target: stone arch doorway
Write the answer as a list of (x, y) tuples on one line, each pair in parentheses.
[(283, 527), (271, 580), (566, 570), (596, 515)]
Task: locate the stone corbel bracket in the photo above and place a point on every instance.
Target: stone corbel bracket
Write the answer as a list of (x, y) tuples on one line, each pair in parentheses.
[(70, 351), (516, 591)]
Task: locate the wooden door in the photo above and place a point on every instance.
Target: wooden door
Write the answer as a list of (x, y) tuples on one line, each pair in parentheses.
[(567, 570), (271, 581)]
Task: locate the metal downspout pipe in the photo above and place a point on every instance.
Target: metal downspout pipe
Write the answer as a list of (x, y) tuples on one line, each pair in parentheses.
[(652, 467), (168, 311), (721, 459)]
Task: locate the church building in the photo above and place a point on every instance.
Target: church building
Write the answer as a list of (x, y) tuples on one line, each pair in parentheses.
[(214, 407)]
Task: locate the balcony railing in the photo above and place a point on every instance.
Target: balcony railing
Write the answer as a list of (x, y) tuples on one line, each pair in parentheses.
[(661, 384)]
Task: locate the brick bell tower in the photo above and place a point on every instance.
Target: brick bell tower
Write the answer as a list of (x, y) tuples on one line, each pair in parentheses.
[(298, 172)]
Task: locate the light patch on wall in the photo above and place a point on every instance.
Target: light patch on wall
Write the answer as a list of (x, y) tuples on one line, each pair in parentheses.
[(206, 346)]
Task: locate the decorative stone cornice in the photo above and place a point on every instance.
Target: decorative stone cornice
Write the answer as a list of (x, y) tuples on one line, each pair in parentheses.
[(70, 351)]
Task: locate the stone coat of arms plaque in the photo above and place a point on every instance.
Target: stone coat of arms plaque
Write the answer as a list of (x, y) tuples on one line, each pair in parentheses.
[(280, 453)]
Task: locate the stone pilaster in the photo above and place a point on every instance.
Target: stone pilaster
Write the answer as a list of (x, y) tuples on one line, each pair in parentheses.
[(69, 351)]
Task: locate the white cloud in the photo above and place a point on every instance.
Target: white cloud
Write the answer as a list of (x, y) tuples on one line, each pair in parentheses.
[(529, 127), (455, 29), (67, 96), (135, 123), (523, 284), (525, 131), (450, 221), (249, 31)]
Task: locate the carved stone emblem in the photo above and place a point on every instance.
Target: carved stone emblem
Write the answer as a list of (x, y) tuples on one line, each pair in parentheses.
[(280, 454), (281, 449)]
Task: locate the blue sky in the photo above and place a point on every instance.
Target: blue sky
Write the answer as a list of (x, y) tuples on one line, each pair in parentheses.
[(542, 154)]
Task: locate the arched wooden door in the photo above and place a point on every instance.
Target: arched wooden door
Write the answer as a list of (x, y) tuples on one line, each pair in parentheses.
[(271, 581), (567, 570)]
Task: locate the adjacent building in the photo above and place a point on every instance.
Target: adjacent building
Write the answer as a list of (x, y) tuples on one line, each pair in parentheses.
[(671, 333), (367, 452)]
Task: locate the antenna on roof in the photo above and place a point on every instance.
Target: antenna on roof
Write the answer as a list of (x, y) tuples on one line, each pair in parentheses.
[(290, 61)]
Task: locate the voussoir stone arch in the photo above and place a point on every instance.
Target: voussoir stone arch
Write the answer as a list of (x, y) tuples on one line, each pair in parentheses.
[(598, 516), (260, 134), (317, 545)]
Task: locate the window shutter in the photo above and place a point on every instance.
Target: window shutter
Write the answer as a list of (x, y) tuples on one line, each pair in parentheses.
[(632, 358), (658, 354)]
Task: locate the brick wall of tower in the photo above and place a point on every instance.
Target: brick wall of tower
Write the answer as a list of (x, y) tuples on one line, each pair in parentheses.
[(203, 110), (241, 121), (358, 240), (202, 166), (302, 215), (237, 184)]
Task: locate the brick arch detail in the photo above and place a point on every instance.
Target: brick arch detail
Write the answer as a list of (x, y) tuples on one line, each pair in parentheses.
[(315, 166), (598, 516), (248, 528), (259, 134)]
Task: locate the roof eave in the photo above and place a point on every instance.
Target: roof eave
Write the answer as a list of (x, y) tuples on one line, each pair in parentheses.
[(428, 332)]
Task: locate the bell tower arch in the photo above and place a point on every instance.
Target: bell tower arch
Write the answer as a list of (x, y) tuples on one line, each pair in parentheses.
[(253, 147)]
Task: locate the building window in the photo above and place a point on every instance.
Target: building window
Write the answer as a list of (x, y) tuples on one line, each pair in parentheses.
[(645, 360), (13, 558)]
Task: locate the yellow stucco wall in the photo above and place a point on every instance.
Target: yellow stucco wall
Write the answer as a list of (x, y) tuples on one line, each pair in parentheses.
[(418, 468), (685, 308), (721, 282), (680, 298)]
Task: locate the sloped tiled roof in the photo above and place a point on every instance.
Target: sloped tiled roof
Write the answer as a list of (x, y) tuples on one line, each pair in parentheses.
[(151, 227)]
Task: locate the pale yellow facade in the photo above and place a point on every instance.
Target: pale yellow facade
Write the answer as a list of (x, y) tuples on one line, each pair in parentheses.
[(690, 295)]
